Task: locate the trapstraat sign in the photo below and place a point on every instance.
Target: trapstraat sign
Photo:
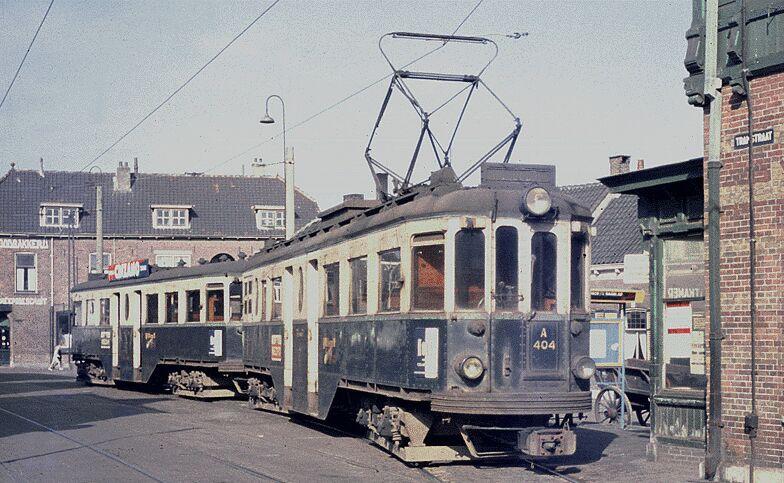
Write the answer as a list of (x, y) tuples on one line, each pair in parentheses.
[(759, 138)]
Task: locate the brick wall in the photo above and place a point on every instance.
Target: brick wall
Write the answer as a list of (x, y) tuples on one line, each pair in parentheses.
[(768, 206)]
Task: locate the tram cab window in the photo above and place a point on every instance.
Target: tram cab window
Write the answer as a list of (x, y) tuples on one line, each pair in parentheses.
[(235, 300), (391, 281), (215, 304), (358, 285), (427, 291), (193, 305), (277, 302), (543, 271), (332, 289), (506, 268), (152, 308), (470, 269), (172, 307), (105, 307), (577, 292)]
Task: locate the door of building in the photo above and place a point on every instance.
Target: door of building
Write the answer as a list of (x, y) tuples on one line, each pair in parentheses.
[(5, 339)]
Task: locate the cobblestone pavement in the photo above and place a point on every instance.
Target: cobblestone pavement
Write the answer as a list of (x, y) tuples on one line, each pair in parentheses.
[(52, 428)]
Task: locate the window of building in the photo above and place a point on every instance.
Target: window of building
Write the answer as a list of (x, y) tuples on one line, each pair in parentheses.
[(427, 291), (60, 216), (636, 319), (332, 295), (543, 271), (235, 300), (506, 268), (105, 314), (358, 267), (26, 272), (277, 300), (172, 307), (577, 294), (391, 281), (93, 265), (215, 303), (152, 308), (270, 217), (171, 217), (193, 305), (470, 269), (172, 258)]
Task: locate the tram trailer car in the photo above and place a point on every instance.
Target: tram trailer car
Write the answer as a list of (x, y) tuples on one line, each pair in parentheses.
[(450, 322), (179, 327)]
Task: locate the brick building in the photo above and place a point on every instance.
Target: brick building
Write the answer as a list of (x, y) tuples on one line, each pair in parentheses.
[(48, 226)]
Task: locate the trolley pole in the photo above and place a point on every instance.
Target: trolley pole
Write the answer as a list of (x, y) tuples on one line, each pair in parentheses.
[(99, 228), (289, 179)]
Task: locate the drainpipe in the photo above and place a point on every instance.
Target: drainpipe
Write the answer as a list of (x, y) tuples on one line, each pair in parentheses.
[(713, 96)]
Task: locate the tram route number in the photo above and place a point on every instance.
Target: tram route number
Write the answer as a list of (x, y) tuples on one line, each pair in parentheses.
[(544, 343)]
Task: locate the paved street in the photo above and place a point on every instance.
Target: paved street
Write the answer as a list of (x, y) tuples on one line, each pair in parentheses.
[(52, 428)]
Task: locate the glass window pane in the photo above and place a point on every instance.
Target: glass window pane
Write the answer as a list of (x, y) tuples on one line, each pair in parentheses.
[(332, 297), (391, 282), (300, 291), (235, 300), (543, 276), (470, 269), (427, 292), (193, 302), (506, 268), (277, 301), (104, 320), (215, 301), (358, 285), (172, 307), (152, 308), (577, 294)]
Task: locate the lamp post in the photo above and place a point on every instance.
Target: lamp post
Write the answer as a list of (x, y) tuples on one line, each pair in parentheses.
[(288, 163)]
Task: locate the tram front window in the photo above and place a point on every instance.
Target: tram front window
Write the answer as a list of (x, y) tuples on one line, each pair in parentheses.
[(470, 269), (427, 291), (543, 271), (506, 268)]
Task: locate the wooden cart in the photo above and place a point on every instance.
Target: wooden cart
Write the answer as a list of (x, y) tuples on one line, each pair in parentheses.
[(633, 391)]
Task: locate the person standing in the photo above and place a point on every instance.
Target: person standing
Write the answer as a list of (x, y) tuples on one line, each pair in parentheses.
[(57, 358)]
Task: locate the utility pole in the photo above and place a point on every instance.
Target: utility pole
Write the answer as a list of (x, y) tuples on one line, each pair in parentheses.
[(289, 179), (99, 228)]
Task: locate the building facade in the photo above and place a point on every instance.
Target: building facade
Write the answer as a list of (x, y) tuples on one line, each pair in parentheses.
[(48, 236)]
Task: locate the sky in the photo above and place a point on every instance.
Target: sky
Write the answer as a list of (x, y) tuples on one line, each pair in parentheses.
[(591, 79)]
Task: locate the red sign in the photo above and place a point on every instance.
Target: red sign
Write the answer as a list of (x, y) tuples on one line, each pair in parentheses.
[(133, 269)]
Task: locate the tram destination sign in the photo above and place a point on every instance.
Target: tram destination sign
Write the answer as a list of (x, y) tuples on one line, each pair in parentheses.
[(759, 138), (133, 269)]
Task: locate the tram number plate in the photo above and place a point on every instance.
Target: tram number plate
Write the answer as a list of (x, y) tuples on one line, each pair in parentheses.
[(544, 346)]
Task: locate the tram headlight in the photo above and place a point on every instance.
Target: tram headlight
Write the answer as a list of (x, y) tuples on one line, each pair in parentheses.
[(471, 368), (537, 201), (584, 367)]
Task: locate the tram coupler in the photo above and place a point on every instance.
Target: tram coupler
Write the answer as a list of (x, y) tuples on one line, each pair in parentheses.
[(547, 442)]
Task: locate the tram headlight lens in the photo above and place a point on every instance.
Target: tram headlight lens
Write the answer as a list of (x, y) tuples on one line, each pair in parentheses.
[(472, 368), (537, 201), (584, 367)]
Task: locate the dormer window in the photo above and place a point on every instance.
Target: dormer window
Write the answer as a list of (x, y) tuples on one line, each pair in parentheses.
[(171, 216), (270, 217), (60, 215)]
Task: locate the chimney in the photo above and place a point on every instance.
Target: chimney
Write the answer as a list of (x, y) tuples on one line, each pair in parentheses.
[(353, 196), (122, 179), (640, 164), (619, 164), (383, 186), (135, 166), (41, 167)]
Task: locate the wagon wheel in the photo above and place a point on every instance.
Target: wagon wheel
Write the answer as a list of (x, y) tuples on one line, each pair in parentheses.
[(643, 415), (608, 406)]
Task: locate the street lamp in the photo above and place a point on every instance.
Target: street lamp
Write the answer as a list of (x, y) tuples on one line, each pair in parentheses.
[(288, 163)]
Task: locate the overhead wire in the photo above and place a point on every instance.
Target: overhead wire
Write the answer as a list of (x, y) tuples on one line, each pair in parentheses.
[(344, 99), (18, 69)]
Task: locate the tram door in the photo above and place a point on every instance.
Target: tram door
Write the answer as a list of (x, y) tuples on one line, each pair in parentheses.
[(5, 339), (299, 342)]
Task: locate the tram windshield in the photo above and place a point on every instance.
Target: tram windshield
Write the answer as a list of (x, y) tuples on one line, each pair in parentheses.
[(470, 269), (506, 268), (543, 271)]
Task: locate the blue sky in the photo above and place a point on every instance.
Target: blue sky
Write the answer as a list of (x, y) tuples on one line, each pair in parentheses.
[(592, 79)]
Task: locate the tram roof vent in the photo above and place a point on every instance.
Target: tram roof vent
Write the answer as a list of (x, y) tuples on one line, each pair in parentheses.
[(517, 176)]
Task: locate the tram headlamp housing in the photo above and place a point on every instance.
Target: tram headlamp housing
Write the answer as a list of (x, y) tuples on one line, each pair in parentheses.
[(471, 368), (583, 367), (537, 201)]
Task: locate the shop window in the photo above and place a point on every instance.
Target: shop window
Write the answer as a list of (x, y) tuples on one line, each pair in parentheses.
[(470, 269), (172, 307), (215, 304), (577, 292), (235, 300), (637, 319), (193, 305), (543, 273), (358, 268), (391, 281), (105, 314), (427, 292), (506, 268), (332, 296), (152, 308), (277, 298), (26, 272)]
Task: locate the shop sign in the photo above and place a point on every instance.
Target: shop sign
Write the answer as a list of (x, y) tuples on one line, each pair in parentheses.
[(759, 138), (24, 244), (684, 270), (133, 269), (22, 300)]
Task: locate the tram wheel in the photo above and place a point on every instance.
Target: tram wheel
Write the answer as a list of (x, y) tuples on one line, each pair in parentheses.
[(608, 406)]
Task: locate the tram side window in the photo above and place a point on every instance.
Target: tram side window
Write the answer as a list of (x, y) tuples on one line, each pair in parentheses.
[(152, 308), (470, 269), (105, 318), (172, 307), (427, 292), (391, 281), (506, 268), (543, 276), (358, 285), (577, 294), (193, 303), (332, 295), (300, 291), (277, 302), (263, 306), (258, 297), (235, 300), (215, 305)]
